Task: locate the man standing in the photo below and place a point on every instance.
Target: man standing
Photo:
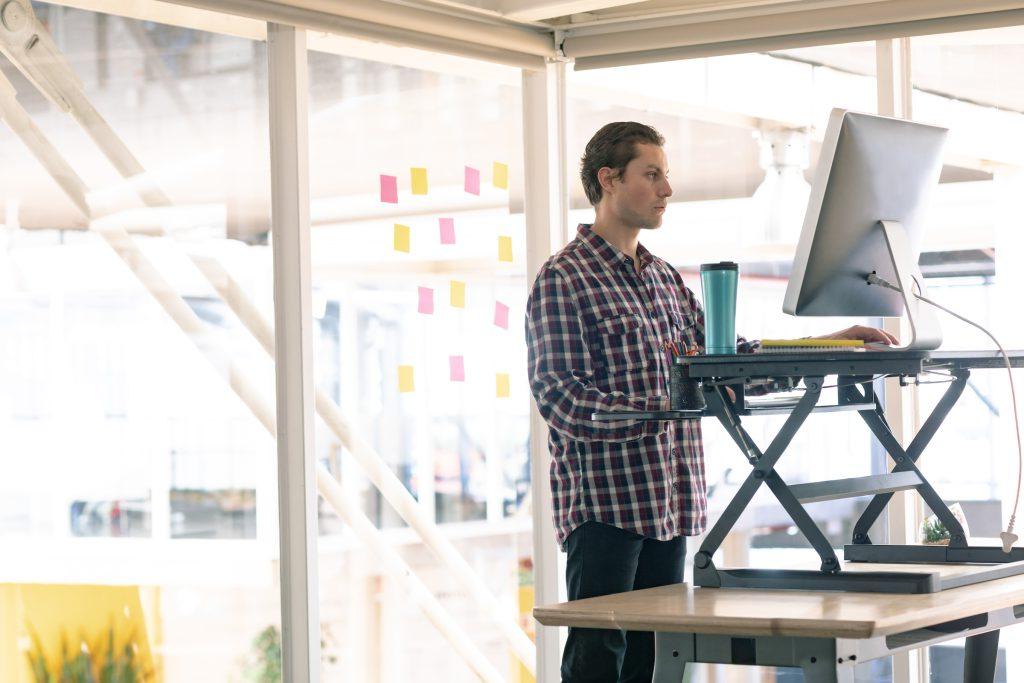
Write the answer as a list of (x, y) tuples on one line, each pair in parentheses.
[(625, 494)]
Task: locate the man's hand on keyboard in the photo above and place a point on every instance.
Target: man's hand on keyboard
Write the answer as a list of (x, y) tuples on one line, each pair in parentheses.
[(864, 333)]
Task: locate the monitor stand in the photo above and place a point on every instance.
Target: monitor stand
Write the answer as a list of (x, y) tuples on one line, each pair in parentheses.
[(925, 334)]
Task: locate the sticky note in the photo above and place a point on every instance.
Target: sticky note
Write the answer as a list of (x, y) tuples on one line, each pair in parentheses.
[(458, 294), (501, 385), (505, 248), (457, 368), (389, 189), (447, 230), (472, 183), (500, 314), (500, 175), (426, 300), (405, 383), (402, 238), (419, 181)]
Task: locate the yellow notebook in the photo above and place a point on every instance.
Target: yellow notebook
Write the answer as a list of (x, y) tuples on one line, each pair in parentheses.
[(809, 345)]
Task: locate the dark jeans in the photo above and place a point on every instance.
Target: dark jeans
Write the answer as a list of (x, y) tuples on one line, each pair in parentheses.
[(603, 560)]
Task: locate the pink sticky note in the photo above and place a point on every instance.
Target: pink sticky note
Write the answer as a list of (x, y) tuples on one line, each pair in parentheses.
[(426, 300), (472, 180), (457, 368), (447, 230), (500, 314), (389, 189)]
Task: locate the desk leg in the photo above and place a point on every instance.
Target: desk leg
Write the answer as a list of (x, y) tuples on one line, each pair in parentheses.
[(672, 652), (980, 657)]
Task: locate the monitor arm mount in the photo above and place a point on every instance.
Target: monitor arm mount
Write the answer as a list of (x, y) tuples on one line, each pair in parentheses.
[(925, 334)]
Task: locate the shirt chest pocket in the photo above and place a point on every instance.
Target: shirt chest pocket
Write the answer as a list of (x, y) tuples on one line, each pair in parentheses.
[(684, 329), (621, 340)]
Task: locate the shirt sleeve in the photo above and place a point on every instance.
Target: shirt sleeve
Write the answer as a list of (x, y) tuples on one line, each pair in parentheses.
[(561, 371)]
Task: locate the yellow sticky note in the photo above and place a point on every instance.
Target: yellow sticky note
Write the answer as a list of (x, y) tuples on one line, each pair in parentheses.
[(505, 248), (402, 238), (405, 382), (458, 294), (501, 385), (419, 181), (500, 175)]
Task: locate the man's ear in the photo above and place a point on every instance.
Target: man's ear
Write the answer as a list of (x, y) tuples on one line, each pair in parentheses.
[(606, 176)]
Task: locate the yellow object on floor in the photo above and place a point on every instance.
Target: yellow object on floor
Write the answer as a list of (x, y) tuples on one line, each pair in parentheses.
[(80, 615)]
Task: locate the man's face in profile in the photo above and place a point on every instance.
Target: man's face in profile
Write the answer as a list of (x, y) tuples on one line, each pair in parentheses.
[(640, 195)]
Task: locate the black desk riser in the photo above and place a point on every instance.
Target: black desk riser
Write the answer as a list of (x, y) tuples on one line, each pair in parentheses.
[(855, 372)]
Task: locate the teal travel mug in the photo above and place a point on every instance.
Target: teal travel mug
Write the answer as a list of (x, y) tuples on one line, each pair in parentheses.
[(718, 280)]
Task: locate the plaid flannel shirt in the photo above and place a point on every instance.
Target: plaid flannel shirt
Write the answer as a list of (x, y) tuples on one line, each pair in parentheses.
[(594, 330)]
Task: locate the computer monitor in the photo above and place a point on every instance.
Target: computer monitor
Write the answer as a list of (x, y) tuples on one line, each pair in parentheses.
[(865, 215)]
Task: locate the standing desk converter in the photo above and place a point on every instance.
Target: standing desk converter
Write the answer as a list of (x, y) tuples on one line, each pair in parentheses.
[(855, 372), (825, 633)]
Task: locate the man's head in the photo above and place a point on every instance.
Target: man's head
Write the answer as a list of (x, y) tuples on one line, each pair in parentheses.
[(625, 173)]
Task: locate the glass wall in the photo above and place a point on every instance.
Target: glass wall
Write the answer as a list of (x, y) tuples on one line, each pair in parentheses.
[(736, 127), (137, 478), (973, 248), (137, 487), (419, 265)]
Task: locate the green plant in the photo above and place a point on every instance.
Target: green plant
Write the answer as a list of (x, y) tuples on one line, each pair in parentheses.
[(264, 665), (89, 664), (267, 665), (934, 531)]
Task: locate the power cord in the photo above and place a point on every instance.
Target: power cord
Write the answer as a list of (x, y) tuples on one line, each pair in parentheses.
[(1008, 537)]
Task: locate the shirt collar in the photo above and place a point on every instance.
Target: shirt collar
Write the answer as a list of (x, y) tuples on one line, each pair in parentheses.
[(609, 254)]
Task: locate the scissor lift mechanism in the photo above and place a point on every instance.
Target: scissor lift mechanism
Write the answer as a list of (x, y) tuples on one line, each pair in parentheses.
[(855, 371)]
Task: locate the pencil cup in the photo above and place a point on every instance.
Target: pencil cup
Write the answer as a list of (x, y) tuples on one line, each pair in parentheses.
[(718, 280), (684, 392)]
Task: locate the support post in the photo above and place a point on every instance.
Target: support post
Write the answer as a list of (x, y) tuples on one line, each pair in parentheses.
[(546, 193), (293, 319), (903, 516)]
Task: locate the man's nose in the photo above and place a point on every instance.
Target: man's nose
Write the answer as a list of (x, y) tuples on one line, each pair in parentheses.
[(666, 190)]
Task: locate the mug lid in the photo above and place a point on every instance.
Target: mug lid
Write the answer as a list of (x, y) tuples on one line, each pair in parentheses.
[(721, 265)]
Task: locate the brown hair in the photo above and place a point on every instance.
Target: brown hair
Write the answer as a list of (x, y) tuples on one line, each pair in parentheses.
[(613, 146)]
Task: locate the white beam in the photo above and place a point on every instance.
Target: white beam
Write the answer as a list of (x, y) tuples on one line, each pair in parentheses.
[(293, 318), (624, 43), (895, 96), (680, 25), (895, 90), (400, 25), (546, 193)]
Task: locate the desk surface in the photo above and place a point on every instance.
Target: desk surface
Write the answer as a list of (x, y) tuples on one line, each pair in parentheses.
[(734, 611)]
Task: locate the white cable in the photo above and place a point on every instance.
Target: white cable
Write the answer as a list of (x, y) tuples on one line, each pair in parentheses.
[(1008, 537)]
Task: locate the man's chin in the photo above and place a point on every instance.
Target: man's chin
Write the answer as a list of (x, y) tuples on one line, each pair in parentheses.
[(652, 224)]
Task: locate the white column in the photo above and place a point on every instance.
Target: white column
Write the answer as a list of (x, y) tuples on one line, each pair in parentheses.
[(546, 199), (1009, 245), (904, 512), (293, 319)]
